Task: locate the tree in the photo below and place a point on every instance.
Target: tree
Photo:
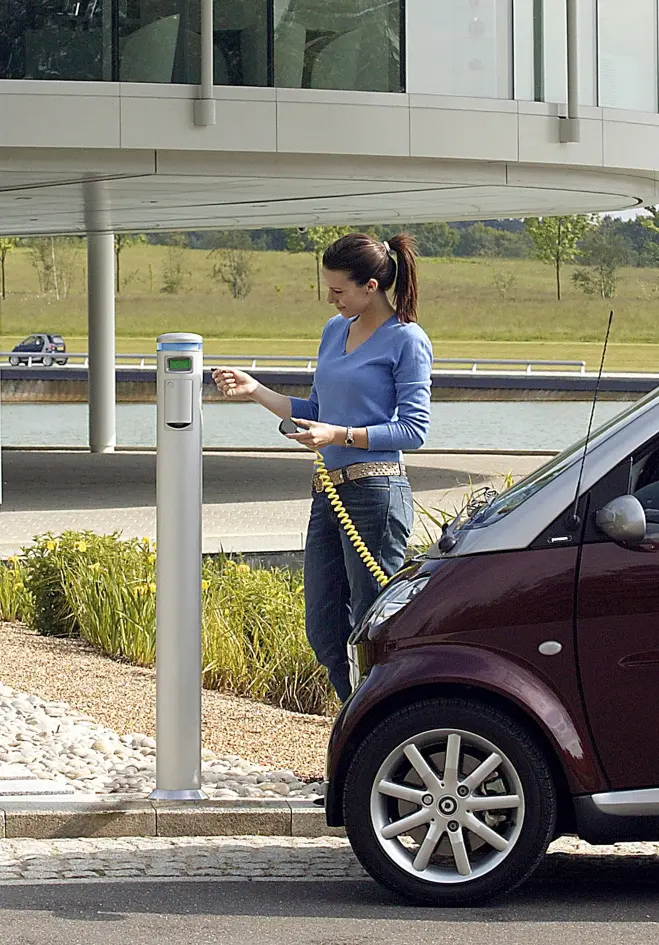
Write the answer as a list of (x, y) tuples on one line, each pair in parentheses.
[(123, 241), (235, 268), (315, 240), (435, 239), (603, 251), (556, 240), (54, 258), (174, 272), (7, 243), (476, 240)]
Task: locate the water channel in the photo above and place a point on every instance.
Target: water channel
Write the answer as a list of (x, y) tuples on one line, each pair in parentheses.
[(473, 425)]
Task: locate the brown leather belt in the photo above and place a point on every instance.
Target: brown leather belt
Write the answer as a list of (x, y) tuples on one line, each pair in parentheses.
[(359, 471)]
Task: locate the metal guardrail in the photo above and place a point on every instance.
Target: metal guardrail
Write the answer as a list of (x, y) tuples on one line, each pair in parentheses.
[(148, 361)]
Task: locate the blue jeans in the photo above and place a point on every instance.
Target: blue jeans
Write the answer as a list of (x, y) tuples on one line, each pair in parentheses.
[(338, 588)]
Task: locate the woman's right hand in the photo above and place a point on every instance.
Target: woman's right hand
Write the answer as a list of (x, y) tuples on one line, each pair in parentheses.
[(234, 383)]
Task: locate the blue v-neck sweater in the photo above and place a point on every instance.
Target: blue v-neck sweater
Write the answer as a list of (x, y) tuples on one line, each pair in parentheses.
[(383, 385)]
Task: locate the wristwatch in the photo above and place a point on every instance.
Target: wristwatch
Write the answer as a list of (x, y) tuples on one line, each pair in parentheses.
[(350, 439)]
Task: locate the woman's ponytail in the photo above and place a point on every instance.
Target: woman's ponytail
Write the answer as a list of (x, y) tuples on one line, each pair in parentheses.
[(406, 291), (391, 262)]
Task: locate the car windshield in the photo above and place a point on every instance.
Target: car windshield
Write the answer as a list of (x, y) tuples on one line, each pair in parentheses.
[(512, 498), (31, 340)]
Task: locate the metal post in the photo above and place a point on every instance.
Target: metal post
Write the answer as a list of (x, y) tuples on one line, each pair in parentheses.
[(100, 310), (204, 106), (178, 569), (569, 127)]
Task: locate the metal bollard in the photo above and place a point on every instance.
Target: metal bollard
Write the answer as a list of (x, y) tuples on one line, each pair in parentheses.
[(178, 569)]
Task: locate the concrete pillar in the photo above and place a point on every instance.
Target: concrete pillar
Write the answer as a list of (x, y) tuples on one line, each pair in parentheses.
[(100, 311)]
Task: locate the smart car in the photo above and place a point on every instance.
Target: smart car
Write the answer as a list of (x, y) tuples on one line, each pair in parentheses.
[(39, 348), (509, 689)]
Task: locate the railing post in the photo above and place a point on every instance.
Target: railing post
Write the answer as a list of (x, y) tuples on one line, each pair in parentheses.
[(569, 130)]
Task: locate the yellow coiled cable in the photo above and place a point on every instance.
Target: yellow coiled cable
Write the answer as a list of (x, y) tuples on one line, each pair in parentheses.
[(346, 521)]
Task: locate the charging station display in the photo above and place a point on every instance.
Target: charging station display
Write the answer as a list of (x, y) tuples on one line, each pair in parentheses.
[(179, 365)]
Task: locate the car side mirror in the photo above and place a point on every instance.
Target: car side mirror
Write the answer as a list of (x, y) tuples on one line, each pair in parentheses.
[(622, 519)]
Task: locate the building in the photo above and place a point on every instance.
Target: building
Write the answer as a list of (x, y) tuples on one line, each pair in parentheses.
[(130, 115)]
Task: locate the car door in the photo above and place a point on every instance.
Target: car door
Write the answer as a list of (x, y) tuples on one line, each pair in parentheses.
[(617, 630)]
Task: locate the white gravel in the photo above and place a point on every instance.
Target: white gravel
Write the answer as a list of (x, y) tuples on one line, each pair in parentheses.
[(53, 741)]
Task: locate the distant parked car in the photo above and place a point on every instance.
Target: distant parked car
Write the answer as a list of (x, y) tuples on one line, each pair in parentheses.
[(39, 348)]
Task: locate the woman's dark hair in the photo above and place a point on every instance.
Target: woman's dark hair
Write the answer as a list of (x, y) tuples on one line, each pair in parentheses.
[(392, 264)]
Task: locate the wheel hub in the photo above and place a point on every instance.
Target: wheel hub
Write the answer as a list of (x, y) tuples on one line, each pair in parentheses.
[(447, 806)]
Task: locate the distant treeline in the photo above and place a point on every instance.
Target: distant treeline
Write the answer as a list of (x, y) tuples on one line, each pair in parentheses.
[(502, 239)]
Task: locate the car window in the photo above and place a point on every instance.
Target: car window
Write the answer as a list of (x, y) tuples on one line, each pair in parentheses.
[(644, 482), (512, 498), (57, 339)]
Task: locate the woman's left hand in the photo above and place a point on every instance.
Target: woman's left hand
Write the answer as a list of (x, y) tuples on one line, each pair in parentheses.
[(317, 434)]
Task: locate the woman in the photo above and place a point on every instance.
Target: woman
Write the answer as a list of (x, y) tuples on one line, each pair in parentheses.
[(370, 399)]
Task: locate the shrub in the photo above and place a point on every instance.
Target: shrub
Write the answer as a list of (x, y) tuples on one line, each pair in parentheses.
[(15, 598), (42, 563), (103, 589)]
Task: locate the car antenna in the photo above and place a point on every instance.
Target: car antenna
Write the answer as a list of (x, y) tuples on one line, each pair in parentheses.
[(574, 519)]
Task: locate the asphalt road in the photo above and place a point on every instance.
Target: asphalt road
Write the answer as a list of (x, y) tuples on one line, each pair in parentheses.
[(572, 901)]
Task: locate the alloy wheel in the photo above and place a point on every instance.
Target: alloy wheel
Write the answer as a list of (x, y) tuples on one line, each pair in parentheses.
[(447, 806)]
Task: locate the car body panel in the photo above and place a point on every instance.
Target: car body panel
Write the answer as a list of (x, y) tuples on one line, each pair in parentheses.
[(618, 646)]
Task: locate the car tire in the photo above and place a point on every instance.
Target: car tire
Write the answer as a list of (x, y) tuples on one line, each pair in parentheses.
[(47, 361), (63, 361), (14, 361), (466, 860)]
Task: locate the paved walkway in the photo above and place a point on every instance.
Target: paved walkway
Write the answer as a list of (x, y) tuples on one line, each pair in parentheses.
[(256, 501), (242, 858)]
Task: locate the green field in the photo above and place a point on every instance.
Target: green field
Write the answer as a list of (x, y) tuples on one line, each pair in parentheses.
[(461, 309)]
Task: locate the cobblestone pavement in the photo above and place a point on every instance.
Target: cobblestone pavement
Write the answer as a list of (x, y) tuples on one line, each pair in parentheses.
[(244, 858), (194, 857)]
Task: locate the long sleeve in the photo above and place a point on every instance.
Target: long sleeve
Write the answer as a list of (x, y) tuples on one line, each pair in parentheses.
[(305, 408), (412, 379)]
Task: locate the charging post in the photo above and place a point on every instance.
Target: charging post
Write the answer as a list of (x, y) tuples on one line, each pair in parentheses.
[(178, 568)]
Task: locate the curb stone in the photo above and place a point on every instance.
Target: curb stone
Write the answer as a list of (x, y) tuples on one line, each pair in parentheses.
[(53, 817)]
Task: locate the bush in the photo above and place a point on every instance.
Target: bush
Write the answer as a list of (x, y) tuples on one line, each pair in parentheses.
[(254, 640), (46, 564), (15, 599), (103, 589)]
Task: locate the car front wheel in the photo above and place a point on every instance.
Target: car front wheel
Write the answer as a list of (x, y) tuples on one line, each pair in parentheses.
[(47, 362), (14, 361), (449, 802)]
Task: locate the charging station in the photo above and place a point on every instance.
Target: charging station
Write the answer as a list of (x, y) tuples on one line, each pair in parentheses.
[(178, 569)]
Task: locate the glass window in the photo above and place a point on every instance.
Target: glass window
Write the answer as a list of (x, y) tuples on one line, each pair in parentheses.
[(56, 39), (240, 42), (460, 47), (551, 21), (338, 44), (512, 498), (628, 54), (587, 27), (159, 41), (554, 67), (524, 27)]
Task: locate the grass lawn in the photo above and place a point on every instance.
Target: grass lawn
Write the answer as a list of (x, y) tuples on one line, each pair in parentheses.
[(461, 309)]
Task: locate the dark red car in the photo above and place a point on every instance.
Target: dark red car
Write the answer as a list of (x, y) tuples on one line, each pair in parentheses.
[(509, 688)]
